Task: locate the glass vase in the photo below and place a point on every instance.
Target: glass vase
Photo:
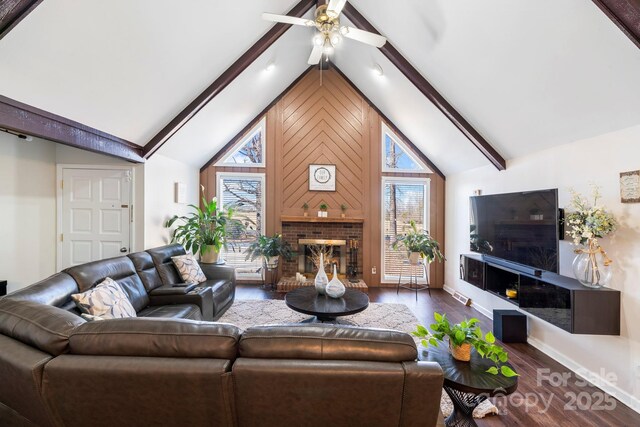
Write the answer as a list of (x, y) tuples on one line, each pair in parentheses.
[(321, 279), (591, 266)]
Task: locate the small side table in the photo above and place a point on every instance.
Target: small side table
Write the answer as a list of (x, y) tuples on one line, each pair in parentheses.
[(467, 383), (413, 284)]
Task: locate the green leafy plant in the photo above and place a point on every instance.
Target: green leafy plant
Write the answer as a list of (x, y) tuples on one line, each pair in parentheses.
[(466, 332), (205, 228), (324, 206), (419, 241), (305, 206), (343, 208), (269, 246)]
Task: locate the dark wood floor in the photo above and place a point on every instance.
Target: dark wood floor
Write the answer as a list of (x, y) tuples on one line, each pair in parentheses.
[(532, 404)]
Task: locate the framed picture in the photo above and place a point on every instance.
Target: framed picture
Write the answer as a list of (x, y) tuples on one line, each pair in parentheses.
[(322, 177), (630, 187)]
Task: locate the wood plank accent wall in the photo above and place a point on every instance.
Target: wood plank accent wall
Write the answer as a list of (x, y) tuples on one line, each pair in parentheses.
[(331, 123)]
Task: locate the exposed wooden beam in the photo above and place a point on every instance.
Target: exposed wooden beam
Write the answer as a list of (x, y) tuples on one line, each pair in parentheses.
[(428, 90), (21, 118), (14, 11), (225, 79), (393, 127), (625, 14), (253, 122)]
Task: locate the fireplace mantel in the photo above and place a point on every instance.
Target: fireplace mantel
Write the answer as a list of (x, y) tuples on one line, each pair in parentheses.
[(347, 220)]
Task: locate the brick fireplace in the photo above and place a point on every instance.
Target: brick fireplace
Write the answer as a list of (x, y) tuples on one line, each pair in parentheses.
[(302, 233)]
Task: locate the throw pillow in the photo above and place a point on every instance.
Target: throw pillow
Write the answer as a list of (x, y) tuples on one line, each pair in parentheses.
[(189, 268), (107, 300)]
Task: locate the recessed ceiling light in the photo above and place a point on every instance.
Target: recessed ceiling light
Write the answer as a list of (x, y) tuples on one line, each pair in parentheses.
[(377, 69), (270, 66)]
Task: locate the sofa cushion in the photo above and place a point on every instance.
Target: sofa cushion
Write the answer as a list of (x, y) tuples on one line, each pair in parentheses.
[(120, 269), (175, 311), (189, 269), (55, 290), (156, 337), (162, 259), (146, 270), (107, 300), (44, 327), (327, 342)]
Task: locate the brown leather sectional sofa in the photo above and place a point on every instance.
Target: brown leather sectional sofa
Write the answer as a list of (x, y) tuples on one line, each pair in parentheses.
[(172, 367)]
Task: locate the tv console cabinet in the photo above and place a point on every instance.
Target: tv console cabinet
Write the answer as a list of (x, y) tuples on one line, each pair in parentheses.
[(559, 300)]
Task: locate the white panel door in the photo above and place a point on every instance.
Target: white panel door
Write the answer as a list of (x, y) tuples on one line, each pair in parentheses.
[(96, 206)]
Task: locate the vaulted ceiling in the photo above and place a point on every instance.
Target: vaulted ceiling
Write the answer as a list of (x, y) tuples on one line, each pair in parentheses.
[(526, 75)]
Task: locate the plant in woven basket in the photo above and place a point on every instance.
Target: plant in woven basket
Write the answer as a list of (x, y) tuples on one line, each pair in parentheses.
[(462, 336)]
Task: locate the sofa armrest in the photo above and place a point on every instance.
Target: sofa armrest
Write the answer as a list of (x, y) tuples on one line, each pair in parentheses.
[(148, 337), (172, 290), (219, 272), (422, 391)]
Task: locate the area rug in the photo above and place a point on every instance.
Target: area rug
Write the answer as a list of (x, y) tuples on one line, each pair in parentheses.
[(247, 313)]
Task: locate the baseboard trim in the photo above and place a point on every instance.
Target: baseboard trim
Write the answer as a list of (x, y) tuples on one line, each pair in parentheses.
[(611, 389)]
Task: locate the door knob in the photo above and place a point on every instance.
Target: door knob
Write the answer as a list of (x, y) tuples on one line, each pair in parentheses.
[(123, 249)]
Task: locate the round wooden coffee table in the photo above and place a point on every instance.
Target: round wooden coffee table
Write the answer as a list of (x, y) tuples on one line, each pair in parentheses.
[(467, 383), (325, 309)]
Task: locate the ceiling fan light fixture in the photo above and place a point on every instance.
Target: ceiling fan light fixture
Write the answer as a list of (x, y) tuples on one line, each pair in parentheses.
[(336, 38), (344, 30), (319, 39), (328, 47)]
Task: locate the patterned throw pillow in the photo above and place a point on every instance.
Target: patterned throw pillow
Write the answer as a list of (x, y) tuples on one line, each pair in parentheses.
[(107, 300), (189, 268)]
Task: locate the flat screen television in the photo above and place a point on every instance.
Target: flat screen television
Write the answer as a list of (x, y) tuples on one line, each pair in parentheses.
[(520, 227)]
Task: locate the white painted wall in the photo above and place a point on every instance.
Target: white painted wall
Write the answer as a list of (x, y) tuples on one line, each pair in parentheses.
[(596, 160), (27, 210), (161, 173), (28, 205)]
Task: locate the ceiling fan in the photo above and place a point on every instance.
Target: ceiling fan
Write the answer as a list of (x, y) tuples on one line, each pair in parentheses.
[(330, 33)]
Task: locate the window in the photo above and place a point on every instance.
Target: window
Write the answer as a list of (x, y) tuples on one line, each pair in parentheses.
[(249, 152), (396, 155), (246, 194), (403, 200)]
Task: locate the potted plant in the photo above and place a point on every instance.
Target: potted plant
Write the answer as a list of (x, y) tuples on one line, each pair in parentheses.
[(323, 210), (419, 244), (270, 249), (343, 208), (204, 230), (462, 336), (305, 208)]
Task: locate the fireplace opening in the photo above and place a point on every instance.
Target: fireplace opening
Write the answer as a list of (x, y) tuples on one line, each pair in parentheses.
[(336, 249)]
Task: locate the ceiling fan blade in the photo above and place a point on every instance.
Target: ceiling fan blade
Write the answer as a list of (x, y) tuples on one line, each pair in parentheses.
[(363, 36), (285, 19), (335, 7), (316, 55)]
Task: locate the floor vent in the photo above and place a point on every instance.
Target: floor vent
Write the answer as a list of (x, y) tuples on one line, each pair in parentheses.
[(464, 300)]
